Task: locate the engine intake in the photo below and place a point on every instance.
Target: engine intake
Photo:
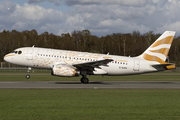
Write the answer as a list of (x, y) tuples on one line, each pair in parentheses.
[(64, 71)]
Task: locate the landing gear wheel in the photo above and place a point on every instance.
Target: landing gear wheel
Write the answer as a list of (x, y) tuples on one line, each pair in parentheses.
[(27, 76), (84, 80)]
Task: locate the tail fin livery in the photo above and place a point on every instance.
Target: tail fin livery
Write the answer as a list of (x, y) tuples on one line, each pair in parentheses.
[(159, 50)]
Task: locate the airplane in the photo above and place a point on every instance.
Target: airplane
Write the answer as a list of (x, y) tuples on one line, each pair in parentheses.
[(64, 63)]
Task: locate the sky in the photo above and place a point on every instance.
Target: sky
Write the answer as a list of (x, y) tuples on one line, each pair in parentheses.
[(101, 17)]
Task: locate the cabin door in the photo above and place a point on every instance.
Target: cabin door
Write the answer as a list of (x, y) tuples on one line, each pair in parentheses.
[(136, 65), (30, 53)]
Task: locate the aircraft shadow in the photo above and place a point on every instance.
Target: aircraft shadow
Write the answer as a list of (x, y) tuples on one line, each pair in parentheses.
[(80, 83), (116, 83)]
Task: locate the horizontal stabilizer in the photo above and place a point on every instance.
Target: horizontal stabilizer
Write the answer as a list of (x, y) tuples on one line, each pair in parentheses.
[(167, 66)]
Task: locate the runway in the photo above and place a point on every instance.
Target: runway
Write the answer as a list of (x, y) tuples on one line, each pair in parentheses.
[(91, 85)]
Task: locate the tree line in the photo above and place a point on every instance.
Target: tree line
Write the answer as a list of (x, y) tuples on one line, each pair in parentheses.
[(124, 44)]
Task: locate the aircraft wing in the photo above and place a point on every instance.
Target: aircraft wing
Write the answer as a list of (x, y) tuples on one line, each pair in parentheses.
[(92, 65)]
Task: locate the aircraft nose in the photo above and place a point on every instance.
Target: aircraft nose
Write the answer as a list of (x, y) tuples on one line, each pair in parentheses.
[(7, 58)]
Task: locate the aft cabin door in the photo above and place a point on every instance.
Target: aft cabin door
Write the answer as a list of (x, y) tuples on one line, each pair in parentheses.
[(30, 54), (136, 65)]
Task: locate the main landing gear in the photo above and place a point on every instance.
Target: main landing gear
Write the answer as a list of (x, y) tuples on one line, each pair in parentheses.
[(28, 75), (84, 80)]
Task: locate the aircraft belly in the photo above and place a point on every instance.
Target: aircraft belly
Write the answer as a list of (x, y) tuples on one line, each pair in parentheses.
[(117, 70)]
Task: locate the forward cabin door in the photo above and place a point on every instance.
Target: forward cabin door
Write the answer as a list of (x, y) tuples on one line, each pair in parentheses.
[(136, 65), (30, 53)]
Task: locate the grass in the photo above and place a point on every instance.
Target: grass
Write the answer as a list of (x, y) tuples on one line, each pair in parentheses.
[(89, 104)]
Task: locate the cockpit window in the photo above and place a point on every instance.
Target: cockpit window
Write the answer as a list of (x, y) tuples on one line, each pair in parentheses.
[(13, 52), (17, 52)]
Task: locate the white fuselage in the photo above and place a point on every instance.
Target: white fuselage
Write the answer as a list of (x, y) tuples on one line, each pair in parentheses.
[(46, 58)]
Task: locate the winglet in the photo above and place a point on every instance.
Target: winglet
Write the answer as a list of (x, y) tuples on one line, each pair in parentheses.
[(159, 50)]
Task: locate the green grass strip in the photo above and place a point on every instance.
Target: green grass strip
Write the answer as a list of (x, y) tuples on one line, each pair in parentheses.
[(89, 104)]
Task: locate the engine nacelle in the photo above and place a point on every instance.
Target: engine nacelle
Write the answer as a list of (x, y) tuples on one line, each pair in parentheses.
[(64, 71)]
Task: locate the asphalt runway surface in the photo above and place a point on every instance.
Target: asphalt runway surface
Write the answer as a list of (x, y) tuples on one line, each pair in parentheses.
[(91, 85)]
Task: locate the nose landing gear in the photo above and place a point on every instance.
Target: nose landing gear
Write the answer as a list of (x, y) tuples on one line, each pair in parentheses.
[(28, 75)]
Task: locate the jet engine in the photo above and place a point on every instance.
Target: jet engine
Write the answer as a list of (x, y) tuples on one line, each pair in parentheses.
[(64, 71)]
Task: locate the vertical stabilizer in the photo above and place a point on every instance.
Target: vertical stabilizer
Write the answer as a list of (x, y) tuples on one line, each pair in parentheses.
[(159, 50)]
